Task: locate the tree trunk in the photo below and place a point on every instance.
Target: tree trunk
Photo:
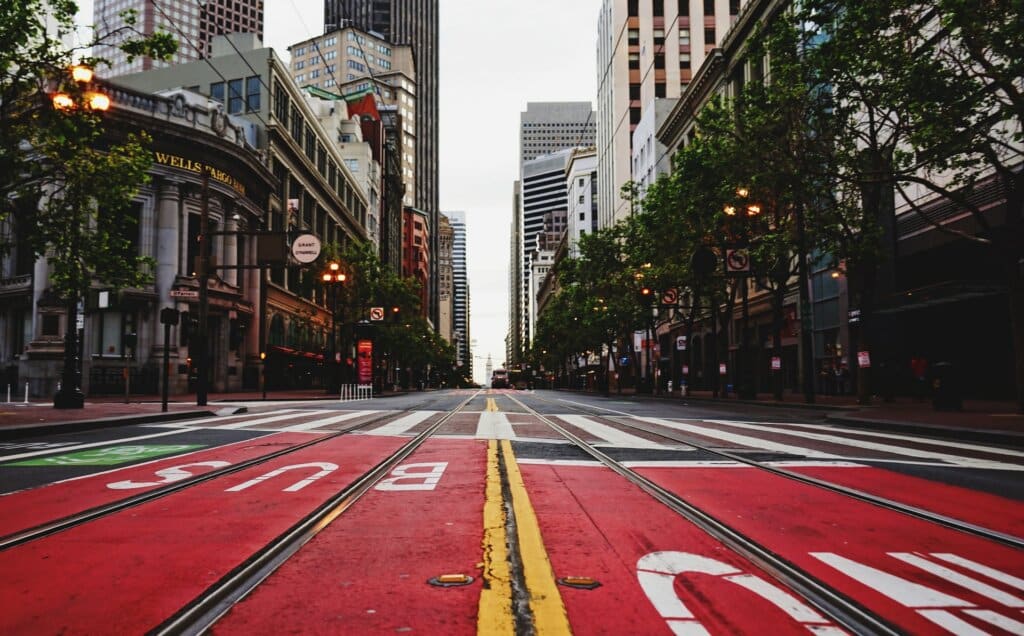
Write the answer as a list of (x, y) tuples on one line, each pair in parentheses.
[(778, 315)]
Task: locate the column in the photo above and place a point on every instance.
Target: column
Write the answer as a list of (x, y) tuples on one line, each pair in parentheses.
[(230, 247), (167, 242)]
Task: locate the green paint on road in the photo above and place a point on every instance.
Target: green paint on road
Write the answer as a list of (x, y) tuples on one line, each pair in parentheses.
[(108, 456)]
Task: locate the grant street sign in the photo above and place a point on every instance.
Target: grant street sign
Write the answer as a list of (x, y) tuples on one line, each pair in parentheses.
[(306, 248)]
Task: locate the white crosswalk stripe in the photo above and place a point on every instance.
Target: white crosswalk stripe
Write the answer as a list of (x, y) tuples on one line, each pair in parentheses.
[(403, 424), (611, 435), (291, 415), (327, 421), (494, 425)]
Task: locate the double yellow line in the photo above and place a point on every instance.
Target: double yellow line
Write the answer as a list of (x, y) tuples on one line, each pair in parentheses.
[(495, 613)]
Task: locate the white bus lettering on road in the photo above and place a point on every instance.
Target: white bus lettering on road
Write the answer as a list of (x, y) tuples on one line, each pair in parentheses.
[(413, 477), (326, 468), (167, 475)]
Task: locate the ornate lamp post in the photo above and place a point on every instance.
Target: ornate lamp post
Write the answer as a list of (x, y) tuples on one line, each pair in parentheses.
[(333, 278), (70, 395)]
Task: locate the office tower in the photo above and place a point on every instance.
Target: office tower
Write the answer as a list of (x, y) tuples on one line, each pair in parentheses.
[(547, 127), (460, 286), (645, 51), (194, 24), (412, 22)]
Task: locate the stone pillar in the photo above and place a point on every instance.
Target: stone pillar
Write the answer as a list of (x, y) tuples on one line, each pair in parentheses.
[(168, 256), (230, 248)]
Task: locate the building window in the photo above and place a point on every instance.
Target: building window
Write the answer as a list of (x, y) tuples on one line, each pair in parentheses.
[(634, 36), (684, 8), (709, 36), (634, 115), (709, 7), (659, 36), (634, 92), (684, 37), (659, 7), (659, 89), (634, 60), (217, 91), (659, 60), (734, 7), (633, 7), (235, 99), (252, 93)]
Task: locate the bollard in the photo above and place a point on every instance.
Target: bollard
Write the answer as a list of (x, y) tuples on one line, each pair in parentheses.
[(26, 393), (8, 393)]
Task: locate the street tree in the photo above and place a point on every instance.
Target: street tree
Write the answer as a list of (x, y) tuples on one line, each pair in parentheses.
[(63, 180), (929, 107)]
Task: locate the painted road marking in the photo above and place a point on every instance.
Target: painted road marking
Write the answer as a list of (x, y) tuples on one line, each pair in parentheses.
[(107, 456), (308, 426), (744, 440), (95, 444), (403, 424), (289, 415), (166, 475), (414, 479), (549, 615), (494, 614), (492, 406), (969, 462), (493, 425), (610, 434), (326, 468)]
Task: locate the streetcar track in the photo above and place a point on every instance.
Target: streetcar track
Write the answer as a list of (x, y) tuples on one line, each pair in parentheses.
[(203, 611), (889, 504), (77, 519), (840, 607)]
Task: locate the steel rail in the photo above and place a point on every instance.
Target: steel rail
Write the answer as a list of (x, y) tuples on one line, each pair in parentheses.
[(80, 518), (883, 502), (844, 610), (203, 611)]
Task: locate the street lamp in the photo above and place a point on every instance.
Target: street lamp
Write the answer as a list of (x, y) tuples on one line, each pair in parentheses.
[(748, 210), (70, 395), (333, 278)]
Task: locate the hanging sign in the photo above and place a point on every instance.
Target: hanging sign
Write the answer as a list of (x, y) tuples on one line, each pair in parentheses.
[(721, 368), (776, 363), (306, 248), (863, 359), (686, 369), (376, 313), (681, 343)]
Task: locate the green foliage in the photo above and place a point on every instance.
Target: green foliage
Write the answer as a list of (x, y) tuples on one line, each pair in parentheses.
[(55, 157)]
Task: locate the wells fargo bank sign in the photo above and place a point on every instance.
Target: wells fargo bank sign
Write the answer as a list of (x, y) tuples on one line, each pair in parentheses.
[(198, 167)]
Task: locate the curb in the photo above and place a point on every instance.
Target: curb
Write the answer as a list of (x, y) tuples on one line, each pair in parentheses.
[(20, 431), (1003, 438)]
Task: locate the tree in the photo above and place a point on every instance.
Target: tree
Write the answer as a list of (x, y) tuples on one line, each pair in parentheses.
[(929, 104), (65, 182)]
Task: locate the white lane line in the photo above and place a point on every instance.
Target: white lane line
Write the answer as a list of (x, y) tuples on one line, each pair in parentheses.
[(494, 425), (327, 421), (969, 462), (403, 424), (610, 434)]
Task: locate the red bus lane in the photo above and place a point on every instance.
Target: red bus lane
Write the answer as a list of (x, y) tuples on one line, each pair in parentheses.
[(658, 573), (921, 576), (367, 572), (982, 509), (30, 508), (128, 572)]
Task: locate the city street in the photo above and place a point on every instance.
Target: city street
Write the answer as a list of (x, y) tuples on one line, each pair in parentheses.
[(555, 510)]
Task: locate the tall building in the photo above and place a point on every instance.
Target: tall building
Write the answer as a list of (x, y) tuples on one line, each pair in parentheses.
[(544, 128), (194, 24), (581, 187), (645, 50), (547, 127), (446, 281), (460, 280), (412, 22), (543, 216)]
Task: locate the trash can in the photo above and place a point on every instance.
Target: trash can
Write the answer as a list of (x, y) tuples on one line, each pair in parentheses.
[(946, 390)]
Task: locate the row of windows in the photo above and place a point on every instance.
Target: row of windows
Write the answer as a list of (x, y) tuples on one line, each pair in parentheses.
[(237, 101), (682, 7)]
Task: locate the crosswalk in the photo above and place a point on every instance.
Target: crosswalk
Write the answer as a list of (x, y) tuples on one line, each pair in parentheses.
[(815, 443)]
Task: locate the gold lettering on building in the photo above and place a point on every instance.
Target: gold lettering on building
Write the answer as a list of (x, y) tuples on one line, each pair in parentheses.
[(183, 163)]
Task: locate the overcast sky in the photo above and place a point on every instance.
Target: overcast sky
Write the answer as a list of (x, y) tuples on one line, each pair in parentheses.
[(495, 56)]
